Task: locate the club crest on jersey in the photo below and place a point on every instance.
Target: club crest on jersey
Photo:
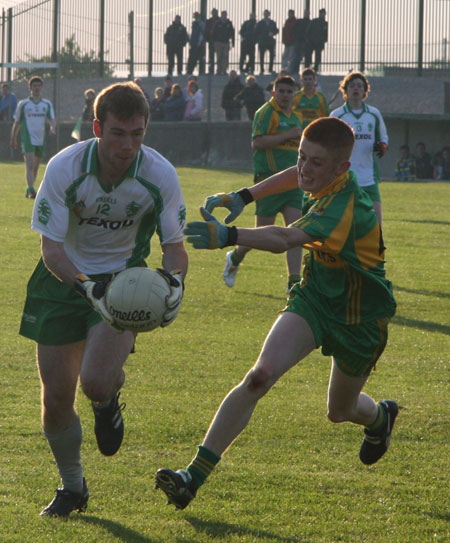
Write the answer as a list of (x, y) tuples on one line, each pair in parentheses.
[(44, 211), (132, 208), (77, 208)]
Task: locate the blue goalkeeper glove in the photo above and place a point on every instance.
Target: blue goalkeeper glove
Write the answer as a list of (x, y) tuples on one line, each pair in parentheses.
[(234, 202), (210, 234)]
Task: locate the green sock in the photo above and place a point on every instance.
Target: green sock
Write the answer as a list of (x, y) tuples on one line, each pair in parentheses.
[(235, 258), (202, 465), (379, 423), (292, 279)]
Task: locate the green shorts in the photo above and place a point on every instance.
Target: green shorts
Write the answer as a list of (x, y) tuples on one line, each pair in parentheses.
[(373, 191), (54, 314), (355, 348), (271, 205), (37, 150)]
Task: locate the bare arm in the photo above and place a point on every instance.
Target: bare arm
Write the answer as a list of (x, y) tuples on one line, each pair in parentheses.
[(279, 182), (57, 261), (175, 258), (275, 239), (14, 134), (52, 123)]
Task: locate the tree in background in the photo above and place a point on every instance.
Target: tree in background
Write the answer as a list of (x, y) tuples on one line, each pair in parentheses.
[(74, 63)]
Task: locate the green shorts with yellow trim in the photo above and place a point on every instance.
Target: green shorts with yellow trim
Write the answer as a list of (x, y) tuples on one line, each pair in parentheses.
[(54, 313), (272, 205), (355, 348), (373, 192)]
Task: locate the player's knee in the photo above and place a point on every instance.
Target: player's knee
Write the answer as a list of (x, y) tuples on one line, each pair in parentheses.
[(337, 415), (95, 389), (259, 379)]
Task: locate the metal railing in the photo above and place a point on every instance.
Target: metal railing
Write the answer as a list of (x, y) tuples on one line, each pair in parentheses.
[(126, 37)]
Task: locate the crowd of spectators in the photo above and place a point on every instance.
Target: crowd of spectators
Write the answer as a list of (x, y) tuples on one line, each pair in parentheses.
[(215, 37), (172, 103), (423, 165)]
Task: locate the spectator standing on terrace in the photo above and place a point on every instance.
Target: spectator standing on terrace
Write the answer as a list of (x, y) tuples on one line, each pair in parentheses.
[(266, 30), (316, 38), (247, 56), (197, 45), (175, 38), (210, 24), (288, 39), (223, 37)]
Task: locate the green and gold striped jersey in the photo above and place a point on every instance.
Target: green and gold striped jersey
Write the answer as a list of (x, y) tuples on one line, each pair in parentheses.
[(270, 120), (345, 263), (311, 108)]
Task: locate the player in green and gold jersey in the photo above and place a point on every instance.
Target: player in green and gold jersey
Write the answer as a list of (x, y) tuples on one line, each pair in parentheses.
[(275, 138), (311, 103), (343, 303)]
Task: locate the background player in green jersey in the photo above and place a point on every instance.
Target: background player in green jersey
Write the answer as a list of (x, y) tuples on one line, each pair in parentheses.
[(275, 137), (343, 303), (30, 119), (309, 100), (96, 210)]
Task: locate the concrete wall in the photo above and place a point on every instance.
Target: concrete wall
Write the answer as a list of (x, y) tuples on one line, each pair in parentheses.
[(227, 144)]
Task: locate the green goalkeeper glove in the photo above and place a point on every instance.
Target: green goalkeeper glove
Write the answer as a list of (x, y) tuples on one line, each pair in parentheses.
[(210, 234), (94, 293), (234, 202)]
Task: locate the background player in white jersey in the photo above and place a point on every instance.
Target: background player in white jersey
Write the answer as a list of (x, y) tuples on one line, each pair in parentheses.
[(370, 134), (30, 119), (96, 210)]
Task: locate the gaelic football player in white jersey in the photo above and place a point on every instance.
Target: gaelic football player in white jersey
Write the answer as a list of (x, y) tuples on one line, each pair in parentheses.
[(30, 119), (98, 206), (370, 134)]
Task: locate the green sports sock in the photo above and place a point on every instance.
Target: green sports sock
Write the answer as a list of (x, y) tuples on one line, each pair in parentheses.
[(202, 465), (379, 423), (235, 258)]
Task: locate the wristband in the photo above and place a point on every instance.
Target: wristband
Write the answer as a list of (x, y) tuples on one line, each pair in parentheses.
[(232, 235), (246, 196)]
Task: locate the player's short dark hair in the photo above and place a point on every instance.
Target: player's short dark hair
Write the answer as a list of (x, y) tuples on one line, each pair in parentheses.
[(343, 85), (284, 80), (123, 100), (309, 71), (333, 134), (35, 79)]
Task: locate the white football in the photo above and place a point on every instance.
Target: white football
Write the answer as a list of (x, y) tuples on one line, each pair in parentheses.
[(136, 298)]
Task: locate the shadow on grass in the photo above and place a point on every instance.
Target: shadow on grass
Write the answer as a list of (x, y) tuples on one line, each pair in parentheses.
[(422, 325), (434, 293), (221, 529), (118, 530)]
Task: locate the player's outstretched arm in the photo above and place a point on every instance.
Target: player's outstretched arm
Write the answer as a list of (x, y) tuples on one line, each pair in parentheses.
[(236, 201), (211, 234)]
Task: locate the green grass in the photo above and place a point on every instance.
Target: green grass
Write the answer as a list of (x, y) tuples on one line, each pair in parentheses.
[(291, 476)]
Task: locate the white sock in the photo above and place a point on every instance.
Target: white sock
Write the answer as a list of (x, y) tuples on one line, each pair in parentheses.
[(66, 448)]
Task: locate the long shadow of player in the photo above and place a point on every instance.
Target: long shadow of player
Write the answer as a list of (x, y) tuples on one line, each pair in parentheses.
[(221, 529)]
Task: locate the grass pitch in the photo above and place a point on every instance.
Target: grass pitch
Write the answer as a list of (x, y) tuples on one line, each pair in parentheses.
[(291, 476)]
